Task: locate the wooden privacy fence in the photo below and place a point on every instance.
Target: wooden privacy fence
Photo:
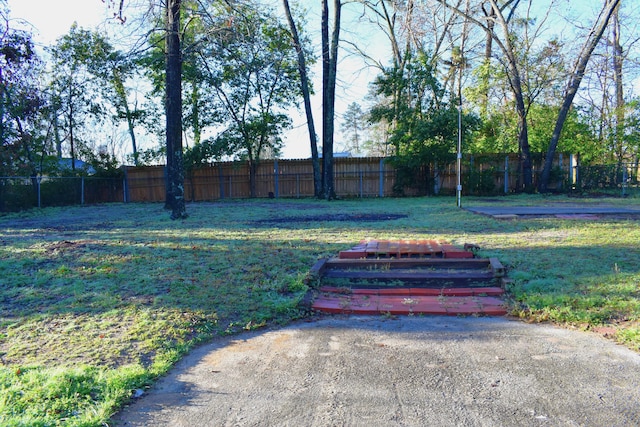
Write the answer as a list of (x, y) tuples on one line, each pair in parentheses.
[(354, 177)]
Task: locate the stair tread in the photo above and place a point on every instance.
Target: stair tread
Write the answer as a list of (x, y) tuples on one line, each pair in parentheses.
[(403, 304)]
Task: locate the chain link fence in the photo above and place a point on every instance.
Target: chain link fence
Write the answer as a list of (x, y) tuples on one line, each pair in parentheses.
[(615, 180), (20, 193)]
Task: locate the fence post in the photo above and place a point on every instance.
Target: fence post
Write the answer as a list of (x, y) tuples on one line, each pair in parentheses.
[(298, 185), (165, 172), (560, 165), (381, 180), (125, 185), (360, 184), (506, 174), (276, 178), (82, 190), (38, 190), (221, 181)]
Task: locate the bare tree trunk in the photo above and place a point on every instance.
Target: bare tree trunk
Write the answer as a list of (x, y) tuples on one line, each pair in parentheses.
[(121, 94), (71, 140), (329, 65), (617, 78), (56, 135), (490, 15), (175, 167), (304, 80), (574, 84)]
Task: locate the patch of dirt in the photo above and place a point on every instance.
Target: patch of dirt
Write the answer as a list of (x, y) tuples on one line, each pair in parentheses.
[(274, 206), (332, 217), (66, 245)]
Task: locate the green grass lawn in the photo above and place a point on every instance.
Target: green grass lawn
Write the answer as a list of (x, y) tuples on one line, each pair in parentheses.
[(96, 302)]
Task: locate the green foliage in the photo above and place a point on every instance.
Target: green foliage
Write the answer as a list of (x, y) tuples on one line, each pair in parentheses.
[(252, 68), (481, 183), (577, 136), (425, 127), (353, 127), (20, 102), (14, 198), (599, 177), (81, 61), (407, 94), (207, 151)]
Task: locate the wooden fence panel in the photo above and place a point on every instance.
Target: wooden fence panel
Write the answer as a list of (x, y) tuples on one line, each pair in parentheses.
[(146, 183), (354, 177)]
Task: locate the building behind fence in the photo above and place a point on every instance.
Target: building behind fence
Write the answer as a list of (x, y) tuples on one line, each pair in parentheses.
[(354, 177)]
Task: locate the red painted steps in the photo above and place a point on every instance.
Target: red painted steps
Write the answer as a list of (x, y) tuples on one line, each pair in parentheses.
[(404, 249), (455, 292), (409, 277), (406, 301)]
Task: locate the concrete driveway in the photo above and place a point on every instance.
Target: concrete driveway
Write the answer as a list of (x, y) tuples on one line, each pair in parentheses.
[(407, 371)]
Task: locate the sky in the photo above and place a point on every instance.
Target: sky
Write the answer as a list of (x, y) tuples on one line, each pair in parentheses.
[(50, 19)]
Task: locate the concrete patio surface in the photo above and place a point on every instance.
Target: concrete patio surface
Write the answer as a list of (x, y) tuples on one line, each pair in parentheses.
[(406, 371), (564, 209)]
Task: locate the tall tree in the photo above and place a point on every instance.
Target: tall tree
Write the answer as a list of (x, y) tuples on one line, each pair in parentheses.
[(254, 71), (173, 106), (617, 60), (353, 127), (20, 99), (306, 96), (329, 68), (121, 69), (573, 85), (502, 16), (79, 58)]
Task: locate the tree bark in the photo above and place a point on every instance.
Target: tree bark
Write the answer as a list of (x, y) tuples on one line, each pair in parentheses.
[(306, 95), (617, 78), (173, 103), (71, 139), (329, 65), (490, 16), (121, 93), (574, 84)]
